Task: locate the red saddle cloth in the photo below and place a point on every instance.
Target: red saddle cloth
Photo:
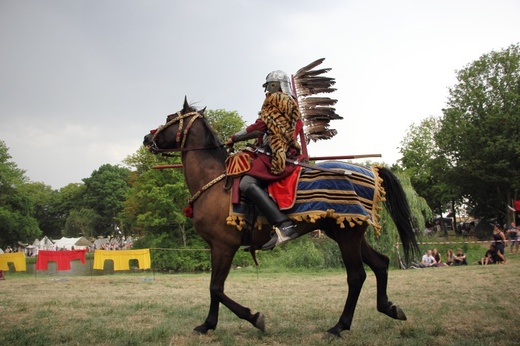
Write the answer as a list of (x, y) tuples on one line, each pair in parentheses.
[(284, 191)]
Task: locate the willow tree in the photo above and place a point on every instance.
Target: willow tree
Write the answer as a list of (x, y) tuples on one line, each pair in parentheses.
[(427, 166), (389, 237)]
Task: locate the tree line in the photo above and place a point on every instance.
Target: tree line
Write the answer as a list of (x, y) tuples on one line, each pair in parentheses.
[(466, 158)]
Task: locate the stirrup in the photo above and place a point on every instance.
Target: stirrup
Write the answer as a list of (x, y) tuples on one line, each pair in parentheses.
[(281, 236)]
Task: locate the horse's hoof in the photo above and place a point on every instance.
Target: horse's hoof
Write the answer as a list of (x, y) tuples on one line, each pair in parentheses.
[(202, 329), (259, 321), (399, 313), (394, 311), (333, 333)]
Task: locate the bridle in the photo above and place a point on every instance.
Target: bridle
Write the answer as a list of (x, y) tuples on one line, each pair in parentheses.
[(180, 137), (180, 140)]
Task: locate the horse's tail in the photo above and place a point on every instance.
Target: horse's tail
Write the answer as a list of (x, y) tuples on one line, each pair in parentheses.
[(399, 209)]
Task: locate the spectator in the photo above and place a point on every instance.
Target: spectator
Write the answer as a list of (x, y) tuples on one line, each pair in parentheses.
[(428, 260), (449, 257), (490, 256), (459, 258), (513, 236), (499, 240), (438, 259)]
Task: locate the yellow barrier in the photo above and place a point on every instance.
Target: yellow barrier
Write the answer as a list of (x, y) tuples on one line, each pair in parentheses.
[(122, 258), (17, 258)]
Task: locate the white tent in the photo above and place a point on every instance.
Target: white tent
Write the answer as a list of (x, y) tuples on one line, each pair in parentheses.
[(98, 243), (44, 244), (68, 243)]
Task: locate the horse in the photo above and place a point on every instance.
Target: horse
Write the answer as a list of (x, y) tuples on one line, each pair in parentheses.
[(203, 158)]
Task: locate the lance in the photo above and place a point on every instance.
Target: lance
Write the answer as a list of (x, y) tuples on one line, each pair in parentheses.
[(175, 165), (343, 157), (298, 163)]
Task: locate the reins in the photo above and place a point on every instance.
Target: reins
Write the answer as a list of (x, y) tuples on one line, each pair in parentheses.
[(180, 140), (205, 187)]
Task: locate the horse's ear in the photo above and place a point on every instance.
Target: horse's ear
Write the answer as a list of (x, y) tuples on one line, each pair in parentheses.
[(201, 112), (186, 107)]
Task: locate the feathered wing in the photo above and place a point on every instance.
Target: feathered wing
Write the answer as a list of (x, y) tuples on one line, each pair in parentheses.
[(317, 110)]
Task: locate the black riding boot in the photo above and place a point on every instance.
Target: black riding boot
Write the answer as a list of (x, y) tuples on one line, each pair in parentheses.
[(284, 228)]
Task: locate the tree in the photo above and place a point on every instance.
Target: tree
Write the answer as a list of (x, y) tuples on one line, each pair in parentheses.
[(389, 235), (105, 192), (81, 222), (155, 204), (156, 198), (46, 211), (16, 206), (480, 132), (225, 123), (142, 160), (426, 166)]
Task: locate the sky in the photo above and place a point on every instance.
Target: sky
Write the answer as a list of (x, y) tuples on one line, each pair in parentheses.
[(82, 81)]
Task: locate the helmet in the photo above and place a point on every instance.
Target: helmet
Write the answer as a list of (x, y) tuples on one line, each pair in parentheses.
[(276, 81)]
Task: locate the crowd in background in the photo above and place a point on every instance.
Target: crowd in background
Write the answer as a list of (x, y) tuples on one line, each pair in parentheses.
[(495, 254)]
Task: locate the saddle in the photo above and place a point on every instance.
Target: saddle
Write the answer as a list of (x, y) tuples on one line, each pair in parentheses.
[(283, 191)]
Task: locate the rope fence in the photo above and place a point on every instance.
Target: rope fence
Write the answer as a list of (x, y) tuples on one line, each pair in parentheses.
[(463, 242)]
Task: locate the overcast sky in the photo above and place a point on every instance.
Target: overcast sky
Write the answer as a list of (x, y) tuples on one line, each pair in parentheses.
[(82, 81)]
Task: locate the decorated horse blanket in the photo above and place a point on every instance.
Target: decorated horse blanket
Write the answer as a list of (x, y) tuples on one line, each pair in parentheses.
[(352, 198)]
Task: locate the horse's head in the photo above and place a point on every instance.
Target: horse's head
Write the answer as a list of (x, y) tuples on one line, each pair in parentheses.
[(173, 134)]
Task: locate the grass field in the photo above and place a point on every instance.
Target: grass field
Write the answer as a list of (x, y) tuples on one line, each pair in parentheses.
[(470, 305)]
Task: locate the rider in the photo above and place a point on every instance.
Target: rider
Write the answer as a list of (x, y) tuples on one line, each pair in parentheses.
[(275, 130)]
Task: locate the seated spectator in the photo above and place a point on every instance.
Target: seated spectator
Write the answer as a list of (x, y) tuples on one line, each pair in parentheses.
[(428, 260), (438, 258), (459, 258), (490, 257), (449, 257)]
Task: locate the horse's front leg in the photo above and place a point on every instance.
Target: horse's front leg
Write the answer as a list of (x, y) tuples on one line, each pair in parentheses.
[(379, 264), (211, 321), (221, 259)]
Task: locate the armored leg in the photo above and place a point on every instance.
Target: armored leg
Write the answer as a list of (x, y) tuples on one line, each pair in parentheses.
[(284, 228)]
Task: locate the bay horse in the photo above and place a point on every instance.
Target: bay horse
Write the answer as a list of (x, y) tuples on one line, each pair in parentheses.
[(203, 158)]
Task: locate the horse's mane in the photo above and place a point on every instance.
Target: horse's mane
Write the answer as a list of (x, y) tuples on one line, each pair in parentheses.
[(212, 139)]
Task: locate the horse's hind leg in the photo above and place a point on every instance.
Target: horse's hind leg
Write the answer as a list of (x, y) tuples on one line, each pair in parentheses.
[(349, 242), (221, 260), (379, 264)]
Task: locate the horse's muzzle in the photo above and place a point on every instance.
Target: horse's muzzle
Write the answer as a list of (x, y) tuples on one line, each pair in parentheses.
[(149, 143)]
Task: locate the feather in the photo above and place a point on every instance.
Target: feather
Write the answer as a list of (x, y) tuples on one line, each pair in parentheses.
[(308, 67), (317, 101), (316, 110)]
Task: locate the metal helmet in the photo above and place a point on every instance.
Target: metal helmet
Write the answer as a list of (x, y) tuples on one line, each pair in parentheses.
[(276, 81)]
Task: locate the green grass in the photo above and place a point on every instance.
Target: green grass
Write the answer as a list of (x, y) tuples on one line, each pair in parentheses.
[(470, 305)]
